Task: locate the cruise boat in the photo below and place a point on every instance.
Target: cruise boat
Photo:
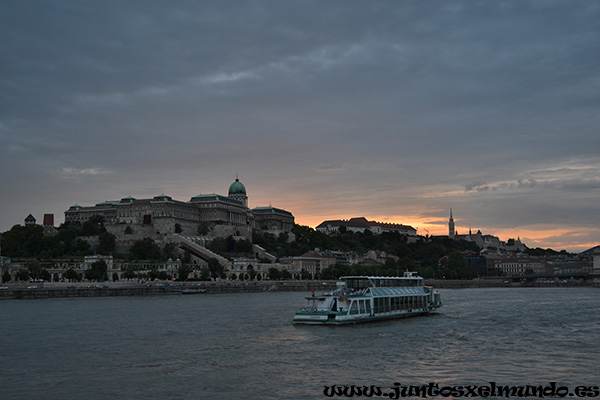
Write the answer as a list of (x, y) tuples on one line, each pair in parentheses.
[(369, 298)]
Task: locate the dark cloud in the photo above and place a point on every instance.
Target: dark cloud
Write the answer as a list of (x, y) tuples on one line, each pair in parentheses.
[(380, 108)]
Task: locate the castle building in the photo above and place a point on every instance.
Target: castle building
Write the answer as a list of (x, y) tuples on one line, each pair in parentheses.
[(163, 212), (361, 224)]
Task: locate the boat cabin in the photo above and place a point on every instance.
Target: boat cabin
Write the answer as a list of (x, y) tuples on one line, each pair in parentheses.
[(363, 282)]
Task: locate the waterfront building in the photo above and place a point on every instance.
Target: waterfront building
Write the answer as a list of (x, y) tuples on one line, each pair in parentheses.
[(251, 269), (361, 224), (312, 262), (519, 266)]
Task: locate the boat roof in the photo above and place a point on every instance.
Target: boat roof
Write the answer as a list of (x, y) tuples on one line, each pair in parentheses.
[(383, 277), (397, 291), (380, 292)]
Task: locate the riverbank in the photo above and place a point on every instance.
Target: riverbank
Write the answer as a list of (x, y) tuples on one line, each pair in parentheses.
[(43, 290)]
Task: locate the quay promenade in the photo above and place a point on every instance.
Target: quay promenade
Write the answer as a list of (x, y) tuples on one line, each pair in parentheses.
[(42, 290)]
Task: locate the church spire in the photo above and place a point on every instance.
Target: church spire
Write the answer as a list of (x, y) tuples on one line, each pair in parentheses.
[(451, 231)]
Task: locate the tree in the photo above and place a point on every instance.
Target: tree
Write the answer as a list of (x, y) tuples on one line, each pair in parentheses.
[(285, 274), (218, 245), (97, 271), (107, 243), (6, 277), (23, 241), (274, 274), (305, 275), (35, 270), (215, 268), (205, 274), (81, 248), (390, 263), (45, 276), (230, 243), (93, 226), (71, 275), (129, 274), (203, 229), (144, 249), (283, 237), (243, 246), (183, 271), (22, 275), (169, 250)]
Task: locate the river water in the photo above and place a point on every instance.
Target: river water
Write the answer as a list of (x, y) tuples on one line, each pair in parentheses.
[(243, 346)]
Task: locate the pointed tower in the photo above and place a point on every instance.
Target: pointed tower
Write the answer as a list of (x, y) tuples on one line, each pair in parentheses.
[(451, 230)]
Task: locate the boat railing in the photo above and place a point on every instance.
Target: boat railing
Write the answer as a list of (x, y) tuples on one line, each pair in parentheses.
[(349, 292)]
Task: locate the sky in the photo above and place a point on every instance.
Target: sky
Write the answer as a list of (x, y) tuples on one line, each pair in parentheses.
[(396, 111)]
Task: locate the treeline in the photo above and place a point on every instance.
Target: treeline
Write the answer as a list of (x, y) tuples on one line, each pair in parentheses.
[(70, 240), (432, 257), (29, 241)]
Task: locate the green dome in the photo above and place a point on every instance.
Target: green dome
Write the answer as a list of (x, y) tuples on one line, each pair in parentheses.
[(237, 187)]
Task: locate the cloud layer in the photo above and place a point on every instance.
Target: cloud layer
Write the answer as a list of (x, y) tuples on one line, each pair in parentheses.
[(389, 110)]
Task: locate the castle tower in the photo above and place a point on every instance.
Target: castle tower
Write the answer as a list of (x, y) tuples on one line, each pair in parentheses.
[(451, 230)]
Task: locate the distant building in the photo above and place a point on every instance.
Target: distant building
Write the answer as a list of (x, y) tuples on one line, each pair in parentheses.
[(49, 228), (30, 220), (49, 220), (315, 261), (361, 224), (481, 240), (484, 241), (162, 214), (519, 266), (273, 219), (477, 263)]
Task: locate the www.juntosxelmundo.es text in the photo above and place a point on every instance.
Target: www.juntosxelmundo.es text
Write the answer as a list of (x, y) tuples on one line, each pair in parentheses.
[(491, 389)]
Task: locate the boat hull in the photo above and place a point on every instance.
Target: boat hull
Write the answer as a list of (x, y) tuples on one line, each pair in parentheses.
[(319, 318)]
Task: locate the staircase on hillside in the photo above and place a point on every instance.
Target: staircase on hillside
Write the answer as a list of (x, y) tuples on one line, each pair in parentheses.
[(201, 251)]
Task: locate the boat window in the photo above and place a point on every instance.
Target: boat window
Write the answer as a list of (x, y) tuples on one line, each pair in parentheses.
[(357, 284)]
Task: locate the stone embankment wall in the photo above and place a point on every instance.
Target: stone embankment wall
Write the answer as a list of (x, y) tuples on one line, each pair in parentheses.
[(154, 289), (53, 290), (75, 292)]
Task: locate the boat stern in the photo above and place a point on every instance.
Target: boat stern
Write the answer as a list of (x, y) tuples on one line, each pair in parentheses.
[(310, 317)]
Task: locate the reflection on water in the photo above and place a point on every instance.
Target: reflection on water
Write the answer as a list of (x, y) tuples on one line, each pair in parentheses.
[(244, 345)]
